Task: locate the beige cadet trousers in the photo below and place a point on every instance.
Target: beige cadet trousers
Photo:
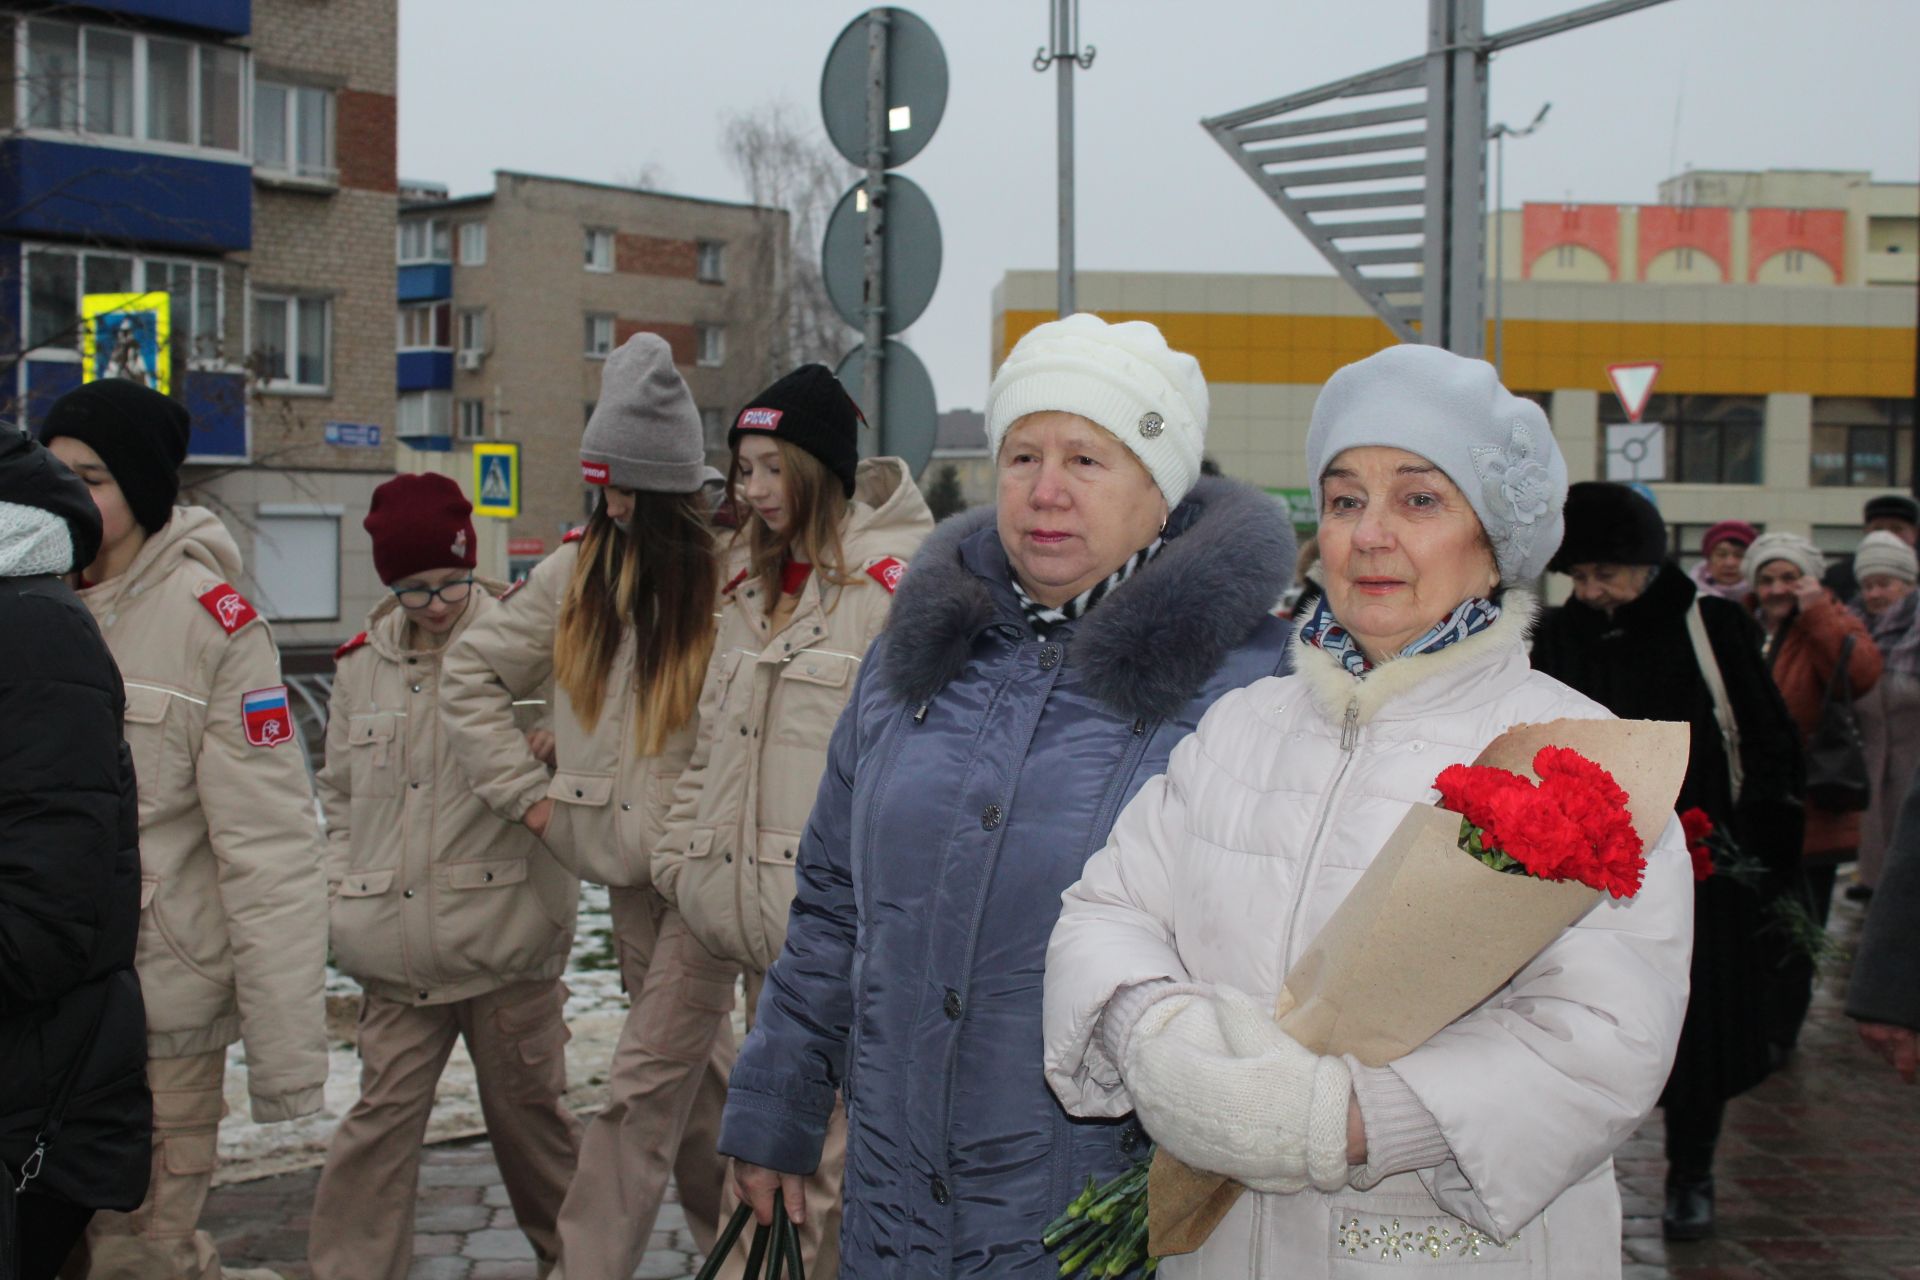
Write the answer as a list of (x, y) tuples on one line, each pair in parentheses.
[(665, 1093), (363, 1209), (160, 1240), (820, 1233)]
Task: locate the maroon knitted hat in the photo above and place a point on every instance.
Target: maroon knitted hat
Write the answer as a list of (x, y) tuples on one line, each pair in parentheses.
[(420, 522), (1728, 531)]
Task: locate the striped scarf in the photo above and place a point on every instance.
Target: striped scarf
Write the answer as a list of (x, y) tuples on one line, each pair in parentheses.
[(1324, 632), (1044, 618)]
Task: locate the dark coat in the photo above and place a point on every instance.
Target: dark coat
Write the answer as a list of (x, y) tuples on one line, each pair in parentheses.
[(974, 772), (1885, 986), (69, 872), (1640, 665)]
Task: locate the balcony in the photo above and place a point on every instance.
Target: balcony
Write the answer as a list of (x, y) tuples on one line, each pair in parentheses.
[(424, 370), (130, 197), (228, 17), (426, 281)]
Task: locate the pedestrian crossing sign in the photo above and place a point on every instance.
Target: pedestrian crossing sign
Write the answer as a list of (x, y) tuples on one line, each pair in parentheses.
[(496, 480)]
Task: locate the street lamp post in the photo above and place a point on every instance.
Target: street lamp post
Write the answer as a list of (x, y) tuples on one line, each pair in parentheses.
[(1064, 54), (1499, 134)]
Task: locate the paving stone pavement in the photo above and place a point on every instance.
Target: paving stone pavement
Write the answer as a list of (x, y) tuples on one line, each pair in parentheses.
[(1818, 1179)]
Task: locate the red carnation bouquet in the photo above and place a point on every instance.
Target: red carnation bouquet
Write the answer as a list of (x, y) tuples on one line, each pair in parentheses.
[(1461, 897)]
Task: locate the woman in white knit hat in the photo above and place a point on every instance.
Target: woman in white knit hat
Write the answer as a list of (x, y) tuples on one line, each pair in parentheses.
[(1885, 567), (1440, 493), (1040, 661)]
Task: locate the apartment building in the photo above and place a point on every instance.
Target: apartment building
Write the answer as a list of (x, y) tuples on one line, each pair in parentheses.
[(510, 302), (1783, 317), (201, 193)]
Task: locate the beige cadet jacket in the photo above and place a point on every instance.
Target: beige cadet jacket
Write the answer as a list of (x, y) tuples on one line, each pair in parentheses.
[(435, 897), (609, 801), (233, 935), (766, 715)]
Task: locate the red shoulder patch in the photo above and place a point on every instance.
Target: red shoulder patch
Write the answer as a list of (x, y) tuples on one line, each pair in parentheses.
[(738, 578), (888, 573), (508, 593), (229, 608), (574, 534), (350, 646)]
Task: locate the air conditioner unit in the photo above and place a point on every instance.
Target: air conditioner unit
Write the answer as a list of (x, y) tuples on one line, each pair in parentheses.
[(472, 359)]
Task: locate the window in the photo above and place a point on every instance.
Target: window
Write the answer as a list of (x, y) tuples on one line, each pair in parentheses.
[(423, 240), (713, 261), (713, 344), (57, 277), (599, 249), (1863, 442), (293, 130), (473, 331), (291, 341), (112, 83), (599, 335), (426, 327), (1710, 439), (296, 563), (424, 413), (713, 428), (473, 419), (473, 244)]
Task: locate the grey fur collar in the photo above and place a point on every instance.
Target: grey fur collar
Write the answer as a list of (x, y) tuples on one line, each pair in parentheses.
[(1148, 648)]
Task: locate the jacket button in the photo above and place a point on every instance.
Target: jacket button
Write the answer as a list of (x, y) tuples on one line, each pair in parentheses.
[(423, 995), (726, 857), (416, 688), (1129, 1139), (406, 893), (626, 807), (487, 877), (952, 1004), (579, 795), (940, 1193), (414, 785), (1049, 656), (743, 731), (990, 817)]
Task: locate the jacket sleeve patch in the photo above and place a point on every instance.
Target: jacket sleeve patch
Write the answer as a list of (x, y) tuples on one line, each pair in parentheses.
[(888, 572), (508, 593), (574, 535), (738, 578), (350, 646), (229, 608), (267, 716)]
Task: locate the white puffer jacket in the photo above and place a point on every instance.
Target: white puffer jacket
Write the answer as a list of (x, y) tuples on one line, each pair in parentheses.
[(1225, 868)]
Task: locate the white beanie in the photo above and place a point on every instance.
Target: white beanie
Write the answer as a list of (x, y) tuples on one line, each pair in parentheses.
[(1791, 547), (1882, 552), (1124, 377), (1452, 411)]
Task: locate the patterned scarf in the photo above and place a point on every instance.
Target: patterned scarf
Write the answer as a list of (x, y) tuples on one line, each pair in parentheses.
[(1044, 618), (1324, 632)]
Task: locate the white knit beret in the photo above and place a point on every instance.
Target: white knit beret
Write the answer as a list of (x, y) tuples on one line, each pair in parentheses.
[(1791, 547), (1125, 377), (1882, 552), (1452, 411)]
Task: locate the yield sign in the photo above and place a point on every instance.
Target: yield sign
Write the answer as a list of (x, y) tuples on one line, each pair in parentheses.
[(1633, 383)]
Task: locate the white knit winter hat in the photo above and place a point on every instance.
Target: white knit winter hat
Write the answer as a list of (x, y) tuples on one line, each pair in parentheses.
[(33, 542), (1791, 547), (1124, 377), (1453, 412), (1882, 552)]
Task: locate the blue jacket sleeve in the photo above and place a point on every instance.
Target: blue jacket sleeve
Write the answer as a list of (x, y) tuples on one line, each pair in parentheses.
[(794, 1060)]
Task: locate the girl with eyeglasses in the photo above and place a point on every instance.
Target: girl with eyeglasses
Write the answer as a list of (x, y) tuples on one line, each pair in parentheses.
[(456, 922)]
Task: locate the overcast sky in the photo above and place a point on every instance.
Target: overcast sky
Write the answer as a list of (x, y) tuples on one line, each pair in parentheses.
[(602, 89)]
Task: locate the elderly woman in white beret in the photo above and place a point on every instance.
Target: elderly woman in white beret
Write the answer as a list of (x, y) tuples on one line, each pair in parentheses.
[(1490, 1145), (1886, 569)]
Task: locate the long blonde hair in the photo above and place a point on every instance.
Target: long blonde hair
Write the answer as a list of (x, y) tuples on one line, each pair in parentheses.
[(659, 578), (817, 507)]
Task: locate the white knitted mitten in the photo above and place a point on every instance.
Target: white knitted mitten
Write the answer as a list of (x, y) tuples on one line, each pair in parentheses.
[(1242, 1098)]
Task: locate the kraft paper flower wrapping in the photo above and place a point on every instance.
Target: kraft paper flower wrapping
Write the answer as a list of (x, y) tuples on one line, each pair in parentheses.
[(1428, 934)]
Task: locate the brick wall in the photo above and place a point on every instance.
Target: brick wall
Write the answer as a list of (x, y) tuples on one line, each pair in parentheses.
[(366, 140), (683, 338), (654, 256)]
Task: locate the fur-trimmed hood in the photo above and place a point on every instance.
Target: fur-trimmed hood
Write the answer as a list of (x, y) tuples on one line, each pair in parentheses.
[(1149, 647), (1439, 675)]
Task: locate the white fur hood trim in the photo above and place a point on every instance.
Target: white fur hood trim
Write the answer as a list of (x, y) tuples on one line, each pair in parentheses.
[(1333, 688)]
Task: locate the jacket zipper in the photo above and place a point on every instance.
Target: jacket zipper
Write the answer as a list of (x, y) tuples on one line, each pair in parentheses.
[(1349, 741)]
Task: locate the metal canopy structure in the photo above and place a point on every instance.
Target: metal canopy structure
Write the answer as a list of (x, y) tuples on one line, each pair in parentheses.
[(1385, 171)]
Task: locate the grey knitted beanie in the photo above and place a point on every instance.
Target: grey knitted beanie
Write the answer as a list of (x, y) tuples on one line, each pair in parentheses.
[(645, 431)]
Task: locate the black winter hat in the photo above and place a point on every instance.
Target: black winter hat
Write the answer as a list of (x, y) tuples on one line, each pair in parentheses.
[(140, 434), (810, 409), (1609, 524), (32, 477), (1892, 506)]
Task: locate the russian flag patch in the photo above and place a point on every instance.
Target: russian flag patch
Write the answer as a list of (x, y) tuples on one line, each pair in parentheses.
[(267, 716)]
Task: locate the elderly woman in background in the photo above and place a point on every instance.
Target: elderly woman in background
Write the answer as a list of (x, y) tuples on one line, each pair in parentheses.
[(1722, 551), (1437, 489), (1806, 630), (1641, 640), (1040, 661), (1885, 567)]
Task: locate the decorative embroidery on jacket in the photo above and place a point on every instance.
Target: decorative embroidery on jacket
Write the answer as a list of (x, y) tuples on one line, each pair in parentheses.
[(1390, 1242)]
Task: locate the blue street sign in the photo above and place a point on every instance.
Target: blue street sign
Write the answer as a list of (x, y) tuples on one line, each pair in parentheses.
[(353, 435)]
